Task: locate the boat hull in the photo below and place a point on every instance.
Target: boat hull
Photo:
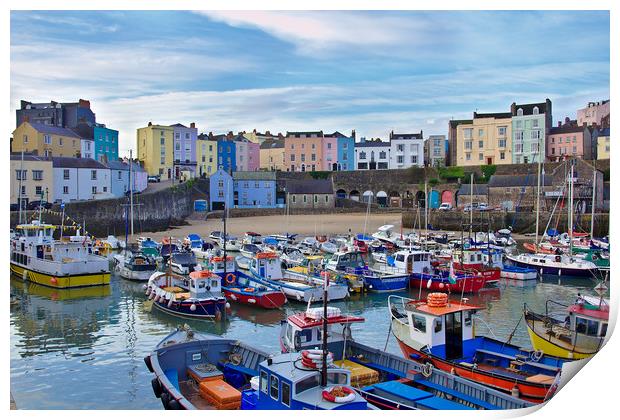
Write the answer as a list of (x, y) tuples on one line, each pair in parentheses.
[(386, 284), (268, 300), (519, 273), (61, 282), (135, 275), (551, 349), (465, 285), (211, 309), (554, 271)]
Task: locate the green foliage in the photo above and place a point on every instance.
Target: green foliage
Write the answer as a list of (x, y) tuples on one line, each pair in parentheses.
[(433, 181), (319, 174), (451, 173), (488, 171)]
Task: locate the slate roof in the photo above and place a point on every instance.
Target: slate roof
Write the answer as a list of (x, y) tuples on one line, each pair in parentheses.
[(408, 136), (493, 115), (70, 162), (254, 176), (504, 181), (52, 129), (455, 123), (371, 143), (292, 133), (528, 109), (272, 144), (309, 186), (29, 157), (479, 189), (565, 129), (122, 166)]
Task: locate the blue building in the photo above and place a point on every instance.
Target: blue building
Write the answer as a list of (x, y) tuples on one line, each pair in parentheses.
[(346, 151), (220, 190), (254, 189), (226, 155), (106, 143)]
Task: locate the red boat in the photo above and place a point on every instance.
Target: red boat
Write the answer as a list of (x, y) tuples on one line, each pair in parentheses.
[(362, 246), (241, 288), (465, 282)]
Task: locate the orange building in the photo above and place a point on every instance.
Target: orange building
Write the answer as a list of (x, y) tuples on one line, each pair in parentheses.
[(303, 151)]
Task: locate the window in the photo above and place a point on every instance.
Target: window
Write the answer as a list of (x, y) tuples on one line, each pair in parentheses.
[(303, 157), (501, 143), (20, 175), (344, 156), (519, 124), (329, 145), (467, 133), (400, 147), (501, 131), (553, 150), (286, 394), (105, 189), (263, 381), (316, 198), (177, 146), (23, 190), (535, 134), (481, 144), (518, 147), (467, 156), (438, 325), (534, 147), (574, 149), (382, 154), (468, 145), (574, 139), (480, 156), (520, 112), (535, 111), (66, 174), (305, 200), (414, 159), (38, 190), (313, 146), (162, 141), (502, 155), (25, 138), (93, 174), (534, 123), (313, 157), (480, 132), (94, 190), (47, 139), (60, 141), (187, 135), (344, 146), (275, 387), (306, 384), (65, 189), (400, 159), (37, 175), (362, 155), (119, 174), (519, 135), (294, 199), (468, 317), (419, 322), (327, 198)]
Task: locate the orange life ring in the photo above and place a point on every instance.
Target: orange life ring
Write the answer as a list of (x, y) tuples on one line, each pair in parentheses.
[(230, 278), (248, 289)]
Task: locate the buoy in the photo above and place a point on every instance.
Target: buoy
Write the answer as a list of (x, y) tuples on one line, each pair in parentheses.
[(227, 305), (25, 275), (441, 285), (251, 300), (515, 392), (429, 283), (192, 307), (53, 280)]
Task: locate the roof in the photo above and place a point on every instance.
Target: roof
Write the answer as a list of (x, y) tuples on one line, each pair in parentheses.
[(292, 133), (455, 123), (254, 175), (309, 186), (479, 189), (178, 125), (528, 109), (373, 143), (29, 157), (70, 162), (604, 132), (52, 129), (124, 166), (407, 136), (302, 321), (451, 307), (566, 129), (493, 115), (337, 134), (518, 181), (273, 144)]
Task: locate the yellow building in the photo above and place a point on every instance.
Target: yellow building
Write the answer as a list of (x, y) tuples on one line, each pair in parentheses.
[(155, 150), (487, 140), (272, 155), (37, 178), (602, 146), (206, 155), (46, 140)]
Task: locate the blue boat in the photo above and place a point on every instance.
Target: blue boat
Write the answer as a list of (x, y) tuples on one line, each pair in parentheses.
[(196, 371)]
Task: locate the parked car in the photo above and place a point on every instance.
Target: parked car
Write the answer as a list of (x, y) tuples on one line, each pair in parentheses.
[(471, 206), (445, 206), (153, 178), (34, 205), (483, 207), (129, 192)]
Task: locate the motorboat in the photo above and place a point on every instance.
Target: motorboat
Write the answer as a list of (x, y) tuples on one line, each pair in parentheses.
[(252, 238), (134, 265), (249, 250), (563, 264), (232, 243), (183, 262)]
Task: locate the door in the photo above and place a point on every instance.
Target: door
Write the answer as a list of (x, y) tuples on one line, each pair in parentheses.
[(489, 161), (454, 335)]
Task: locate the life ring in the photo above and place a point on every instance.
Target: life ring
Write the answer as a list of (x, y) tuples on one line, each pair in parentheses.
[(349, 395), (236, 359), (248, 289), (437, 300), (427, 369), (230, 278), (536, 355)]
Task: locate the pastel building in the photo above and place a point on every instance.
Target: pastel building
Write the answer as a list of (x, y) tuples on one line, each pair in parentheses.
[(272, 155), (600, 138), (453, 129), (258, 137), (346, 151), (34, 175), (530, 124), (105, 143), (155, 149), (184, 149), (58, 114), (594, 113), (567, 140), (303, 151), (407, 150), (487, 140), (247, 154), (221, 190), (372, 154), (80, 179), (46, 140), (330, 152), (435, 150), (122, 181), (87, 149), (206, 155), (254, 189), (226, 154)]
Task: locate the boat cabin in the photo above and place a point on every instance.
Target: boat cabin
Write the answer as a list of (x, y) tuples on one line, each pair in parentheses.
[(411, 261), (346, 260), (588, 318), (304, 330), (252, 238), (267, 265), (192, 241), (216, 264)]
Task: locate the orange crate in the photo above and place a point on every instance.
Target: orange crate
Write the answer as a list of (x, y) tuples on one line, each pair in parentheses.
[(219, 392)]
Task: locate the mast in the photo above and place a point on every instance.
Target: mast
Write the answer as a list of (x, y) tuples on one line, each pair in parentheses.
[(570, 209), (471, 203), (224, 220), (324, 357), (593, 204), (537, 200), (19, 196), (366, 219), (425, 214), (130, 192)]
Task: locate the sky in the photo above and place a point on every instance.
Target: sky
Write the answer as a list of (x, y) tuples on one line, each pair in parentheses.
[(372, 71)]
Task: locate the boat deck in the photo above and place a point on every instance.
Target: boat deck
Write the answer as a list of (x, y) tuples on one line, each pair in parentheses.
[(560, 336), (190, 390)]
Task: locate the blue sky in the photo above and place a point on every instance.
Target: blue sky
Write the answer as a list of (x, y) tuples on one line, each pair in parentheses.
[(369, 71)]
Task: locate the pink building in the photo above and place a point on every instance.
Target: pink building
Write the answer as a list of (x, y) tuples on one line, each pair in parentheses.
[(303, 151), (569, 140), (330, 152), (593, 113), (247, 154), (253, 156)]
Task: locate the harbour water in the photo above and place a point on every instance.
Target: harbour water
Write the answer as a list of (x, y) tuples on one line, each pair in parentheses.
[(84, 348)]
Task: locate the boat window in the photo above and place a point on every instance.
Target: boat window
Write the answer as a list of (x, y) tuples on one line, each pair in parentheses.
[(286, 394), (581, 325), (306, 384), (306, 335), (419, 323), (603, 330), (592, 327), (275, 387), (319, 336), (214, 283), (468, 317), (263, 381), (400, 257), (438, 325), (417, 257), (337, 378)]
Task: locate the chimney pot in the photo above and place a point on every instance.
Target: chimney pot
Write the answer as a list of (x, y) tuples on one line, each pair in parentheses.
[(192, 125), (150, 123)]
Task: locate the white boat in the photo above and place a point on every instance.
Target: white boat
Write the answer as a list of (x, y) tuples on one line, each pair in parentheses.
[(329, 247), (385, 233), (113, 243), (249, 250), (205, 252), (134, 266), (519, 273), (65, 263), (291, 256), (243, 262), (232, 244), (183, 263), (555, 264)]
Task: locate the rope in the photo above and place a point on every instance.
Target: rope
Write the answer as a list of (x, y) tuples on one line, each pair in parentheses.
[(387, 339)]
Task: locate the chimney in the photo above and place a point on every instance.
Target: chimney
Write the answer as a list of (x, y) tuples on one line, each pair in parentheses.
[(254, 131), (192, 125), (210, 135), (83, 103), (267, 133), (513, 108), (353, 134), (559, 123), (567, 120), (150, 123)]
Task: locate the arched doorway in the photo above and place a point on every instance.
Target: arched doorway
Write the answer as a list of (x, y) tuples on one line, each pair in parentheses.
[(367, 196), (382, 198), (341, 194), (447, 197), (334, 166), (419, 199), (433, 199), (354, 195), (303, 167)]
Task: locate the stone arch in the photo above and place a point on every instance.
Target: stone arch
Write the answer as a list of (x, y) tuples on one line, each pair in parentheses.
[(354, 195), (420, 199), (382, 198), (368, 196), (341, 193), (447, 196), (393, 194)]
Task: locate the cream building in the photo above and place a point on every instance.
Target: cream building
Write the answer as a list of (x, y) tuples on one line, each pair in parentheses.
[(206, 155), (272, 155), (34, 176), (46, 140), (487, 140), (155, 150)]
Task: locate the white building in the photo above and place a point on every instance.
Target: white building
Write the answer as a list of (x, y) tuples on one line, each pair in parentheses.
[(80, 179), (119, 177), (87, 149), (372, 154), (407, 150)]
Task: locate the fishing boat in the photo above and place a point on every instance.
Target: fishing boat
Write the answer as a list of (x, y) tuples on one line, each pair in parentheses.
[(292, 256), (559, 265), (168, 247), (442, 333), (329, 247), (183, 262), (252, 238), (242, 262), (192, 241), (385, 234), (579, 331), (216, 235), (148, 241), (197, 296), (69, 262), (387, 381), (135, 265), (267, 267), (205, 251), (232, 243), (519, 273), (200, 371)]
